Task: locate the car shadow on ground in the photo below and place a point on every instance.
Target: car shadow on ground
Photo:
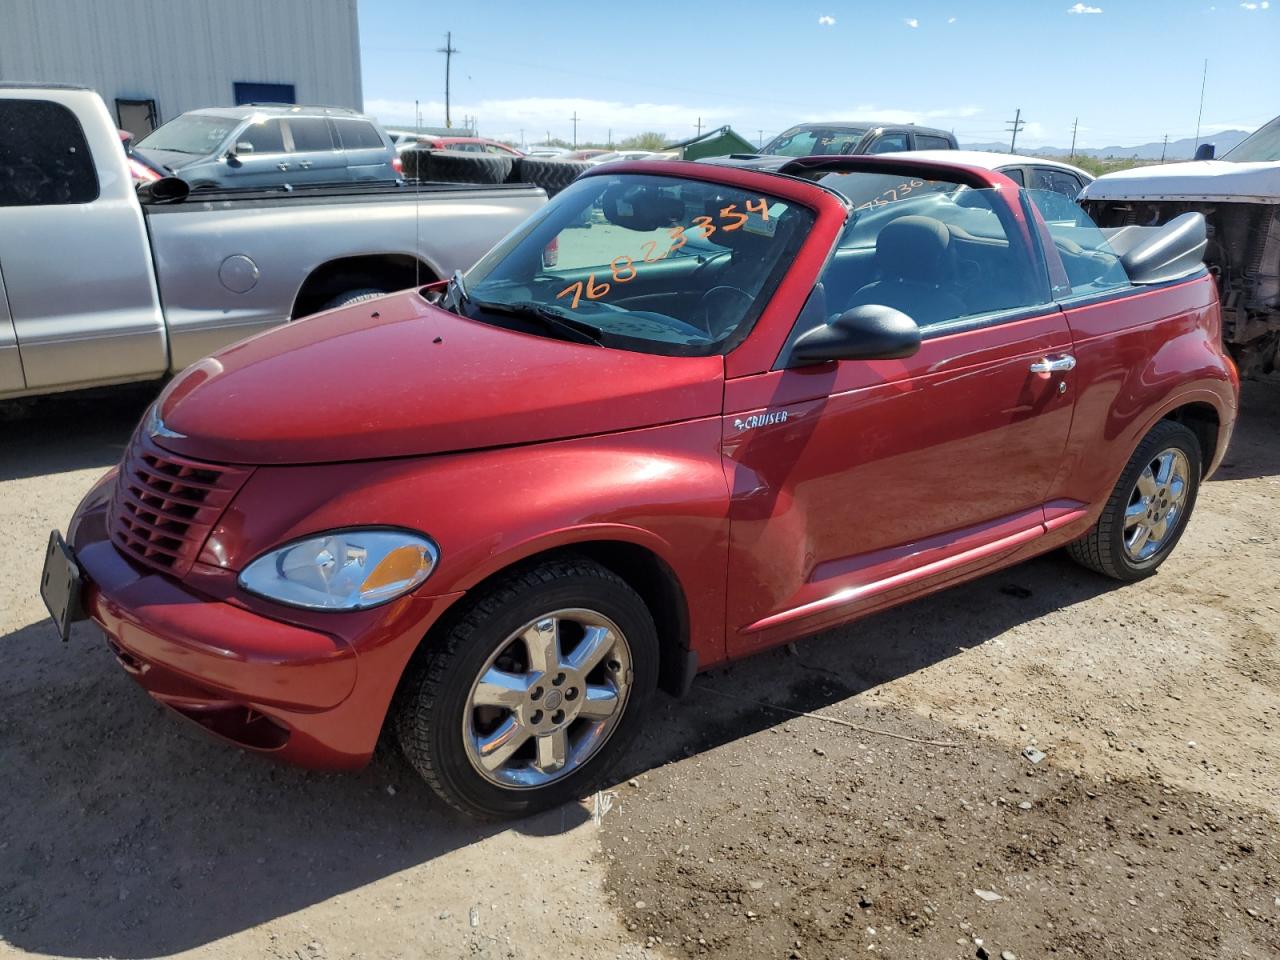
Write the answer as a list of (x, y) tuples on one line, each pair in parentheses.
[(1255, 446), (73, 432), (128, 833)]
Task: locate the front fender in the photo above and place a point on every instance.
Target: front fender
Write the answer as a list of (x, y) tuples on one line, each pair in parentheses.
[(660, 488)]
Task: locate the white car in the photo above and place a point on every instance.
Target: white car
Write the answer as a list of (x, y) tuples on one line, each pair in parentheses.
[(1034, 173), (615, 155)]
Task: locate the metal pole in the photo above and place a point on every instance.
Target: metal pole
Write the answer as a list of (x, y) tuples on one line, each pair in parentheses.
[(1074, 123), (1199, 116), (448, 50), (574, 118)]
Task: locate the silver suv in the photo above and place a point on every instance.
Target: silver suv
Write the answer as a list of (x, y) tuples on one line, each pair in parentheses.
[(270, 145)]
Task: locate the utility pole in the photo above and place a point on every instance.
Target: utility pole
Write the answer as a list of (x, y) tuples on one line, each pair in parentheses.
[(574, 118), (1074, 124), (699, 126), (1164, 149), (1199, 116), (761, 138), (448, 50), (610, 140), (522, 138), (1016, 124)]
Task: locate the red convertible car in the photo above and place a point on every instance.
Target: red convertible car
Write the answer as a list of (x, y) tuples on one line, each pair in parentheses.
[(750, 400)]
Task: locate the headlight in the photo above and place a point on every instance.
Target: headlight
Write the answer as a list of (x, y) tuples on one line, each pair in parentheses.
[(343, 569)]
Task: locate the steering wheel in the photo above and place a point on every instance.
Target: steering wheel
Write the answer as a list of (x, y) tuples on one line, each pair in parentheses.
[(706, 264), (721, 301)]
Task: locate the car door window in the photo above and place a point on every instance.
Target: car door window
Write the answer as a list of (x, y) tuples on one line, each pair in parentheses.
[(925, 141), (357, 134), (265, 136), (1015, 174), (1059, 181), (947, 256), (44, 158), (310, 134), (889, 143), (1092, 266)]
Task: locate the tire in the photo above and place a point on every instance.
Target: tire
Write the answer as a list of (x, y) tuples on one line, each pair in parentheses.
[(551, 175), (353, 296), (1109, 547), (456, 166), (444, 726)]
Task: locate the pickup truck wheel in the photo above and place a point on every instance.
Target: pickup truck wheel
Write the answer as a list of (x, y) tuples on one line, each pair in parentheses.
[(1149, 508), (353, 296), (534, 693)]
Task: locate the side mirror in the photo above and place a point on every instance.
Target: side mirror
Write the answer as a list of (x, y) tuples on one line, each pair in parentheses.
[(1205, 151), (871, 332)]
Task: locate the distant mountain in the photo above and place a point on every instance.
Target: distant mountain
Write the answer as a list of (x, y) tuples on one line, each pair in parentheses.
[(1183, 149)]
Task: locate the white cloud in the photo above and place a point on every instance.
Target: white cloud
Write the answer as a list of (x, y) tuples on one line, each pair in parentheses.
[(1257, 6), (911, 22), (827, 21), (1083, 8), (951, 19), (505, 119)]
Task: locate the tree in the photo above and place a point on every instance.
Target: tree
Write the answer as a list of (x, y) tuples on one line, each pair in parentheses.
[(649, 140)]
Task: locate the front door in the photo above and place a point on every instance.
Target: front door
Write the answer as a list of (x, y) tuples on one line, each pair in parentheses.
[(261, 157), (857, 483)]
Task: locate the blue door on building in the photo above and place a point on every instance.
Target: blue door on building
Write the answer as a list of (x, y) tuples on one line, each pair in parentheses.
[(264, 93)]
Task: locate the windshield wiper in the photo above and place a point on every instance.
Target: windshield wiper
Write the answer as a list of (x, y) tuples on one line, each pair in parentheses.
[(455, 293), (569, 327)]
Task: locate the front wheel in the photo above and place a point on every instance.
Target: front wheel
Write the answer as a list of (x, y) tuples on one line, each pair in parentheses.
[(534, 693), (1148, 510)]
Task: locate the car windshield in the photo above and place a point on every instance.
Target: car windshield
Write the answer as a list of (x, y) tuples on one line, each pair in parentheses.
[(1261, 146), (193, 133), (808, 141), (663, 265)]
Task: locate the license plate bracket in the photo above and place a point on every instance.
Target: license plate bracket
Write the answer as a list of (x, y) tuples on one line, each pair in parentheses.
[(60, 585)]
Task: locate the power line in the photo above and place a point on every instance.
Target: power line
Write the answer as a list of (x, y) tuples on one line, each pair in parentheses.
[(448, 50), (1014, 125)]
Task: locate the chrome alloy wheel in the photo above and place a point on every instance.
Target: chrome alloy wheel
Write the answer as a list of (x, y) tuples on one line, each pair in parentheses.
[(548, 698), (1156, 504)]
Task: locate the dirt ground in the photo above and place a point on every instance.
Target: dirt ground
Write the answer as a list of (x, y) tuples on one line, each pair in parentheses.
[(1148, 830)]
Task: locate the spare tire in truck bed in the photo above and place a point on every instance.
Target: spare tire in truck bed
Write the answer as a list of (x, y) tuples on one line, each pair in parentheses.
[(456, 166), (551, 175)]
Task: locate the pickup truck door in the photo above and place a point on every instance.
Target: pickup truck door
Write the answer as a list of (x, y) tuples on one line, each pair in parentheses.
[(858, 483), (78, 276)]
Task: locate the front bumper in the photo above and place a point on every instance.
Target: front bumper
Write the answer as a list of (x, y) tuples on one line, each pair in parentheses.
[(313, 694)]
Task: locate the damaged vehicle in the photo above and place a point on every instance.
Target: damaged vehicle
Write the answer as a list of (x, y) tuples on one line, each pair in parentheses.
[(1239, 196), (758, 398)]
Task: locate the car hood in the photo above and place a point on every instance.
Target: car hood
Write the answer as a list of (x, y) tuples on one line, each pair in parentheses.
[(1195, 180), (170, 159), (398, 377)]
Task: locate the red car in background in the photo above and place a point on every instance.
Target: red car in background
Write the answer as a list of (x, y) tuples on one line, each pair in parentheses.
[(750, 400), (463, 144)]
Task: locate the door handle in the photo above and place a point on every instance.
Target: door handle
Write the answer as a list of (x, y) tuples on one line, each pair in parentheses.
[(305, 164), (1054, 364), (282, 166)]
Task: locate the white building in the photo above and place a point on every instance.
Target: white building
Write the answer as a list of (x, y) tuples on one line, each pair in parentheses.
[(154, 59)]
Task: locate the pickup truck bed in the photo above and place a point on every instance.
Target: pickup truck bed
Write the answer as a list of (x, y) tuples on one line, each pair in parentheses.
[(98, 288)]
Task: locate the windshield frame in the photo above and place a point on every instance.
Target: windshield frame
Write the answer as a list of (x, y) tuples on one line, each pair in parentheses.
[(1269, 132)]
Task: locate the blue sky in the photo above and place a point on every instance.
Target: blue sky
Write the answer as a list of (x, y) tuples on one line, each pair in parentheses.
[(1130, 70)]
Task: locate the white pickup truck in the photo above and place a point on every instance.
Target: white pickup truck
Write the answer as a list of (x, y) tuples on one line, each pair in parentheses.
[(1239, 196), (98, 287)]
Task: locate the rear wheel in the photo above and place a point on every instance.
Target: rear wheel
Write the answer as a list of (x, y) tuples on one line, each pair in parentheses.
[(1148, 510), (353, 296), (534, 693)]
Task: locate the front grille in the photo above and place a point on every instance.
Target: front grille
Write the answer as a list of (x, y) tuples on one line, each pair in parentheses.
[(165, 506)]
